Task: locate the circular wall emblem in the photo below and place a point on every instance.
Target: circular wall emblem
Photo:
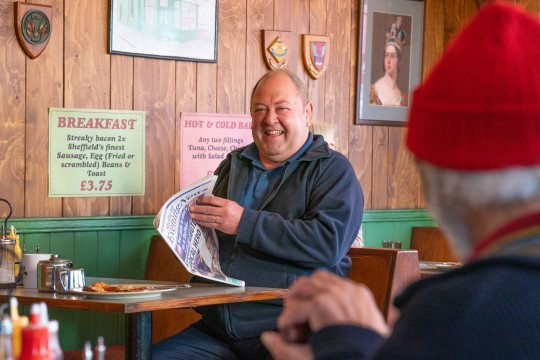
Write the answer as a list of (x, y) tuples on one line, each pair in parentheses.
[(36, 27)]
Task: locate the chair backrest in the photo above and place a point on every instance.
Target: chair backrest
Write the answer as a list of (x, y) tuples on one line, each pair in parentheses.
[(431, 244), (385, 271), (162, 265)]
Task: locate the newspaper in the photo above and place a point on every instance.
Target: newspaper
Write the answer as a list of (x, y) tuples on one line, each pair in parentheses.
[(195, 246)]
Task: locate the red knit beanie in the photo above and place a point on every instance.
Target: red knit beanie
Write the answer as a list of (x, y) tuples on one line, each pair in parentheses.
[(479, 109)]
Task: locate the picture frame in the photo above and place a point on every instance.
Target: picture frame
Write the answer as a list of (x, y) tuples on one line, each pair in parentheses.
[(390, 41), (166, 29)]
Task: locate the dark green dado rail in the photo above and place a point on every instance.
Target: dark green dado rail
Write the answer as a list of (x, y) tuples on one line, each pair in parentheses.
[(118, 247)]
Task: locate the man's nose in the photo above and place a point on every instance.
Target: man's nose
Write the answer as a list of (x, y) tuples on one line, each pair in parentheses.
[(271, 116)]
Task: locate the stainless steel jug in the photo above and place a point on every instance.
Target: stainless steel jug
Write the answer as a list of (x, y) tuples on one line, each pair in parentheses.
[(69, 278)]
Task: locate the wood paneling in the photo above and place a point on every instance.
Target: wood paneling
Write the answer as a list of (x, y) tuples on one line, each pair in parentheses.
[(12, 114), (232, 57), (122, 99), (87, 77), (75, 70), (260, 16), (44, 89), (155, 93)]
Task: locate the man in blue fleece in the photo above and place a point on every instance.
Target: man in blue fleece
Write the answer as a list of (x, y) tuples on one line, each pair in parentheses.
[(283, 207), (474, 128)]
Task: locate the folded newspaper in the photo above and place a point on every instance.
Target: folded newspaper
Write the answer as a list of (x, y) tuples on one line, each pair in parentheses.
[(195, 246)]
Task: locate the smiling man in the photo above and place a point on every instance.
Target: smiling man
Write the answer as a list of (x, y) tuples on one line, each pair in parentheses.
[(283, 206)]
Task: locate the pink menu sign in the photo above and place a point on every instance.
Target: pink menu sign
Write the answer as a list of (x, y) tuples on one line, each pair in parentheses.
[(206, 139)]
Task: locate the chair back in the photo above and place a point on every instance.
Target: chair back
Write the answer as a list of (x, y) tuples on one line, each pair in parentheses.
[(162, 265), (431, 244), (385, 271)]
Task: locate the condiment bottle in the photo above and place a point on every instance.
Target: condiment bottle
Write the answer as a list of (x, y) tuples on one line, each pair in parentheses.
[(19, 322), (87, 351), (18, 251), (6, 330), (54, 343), (100, 348), (35, 337)]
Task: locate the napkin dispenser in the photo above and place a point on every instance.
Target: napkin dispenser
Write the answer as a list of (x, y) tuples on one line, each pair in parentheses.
[(47, 272)]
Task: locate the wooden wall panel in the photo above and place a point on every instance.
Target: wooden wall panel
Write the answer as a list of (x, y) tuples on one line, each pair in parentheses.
[(260, 16), (44, 89), (360, 142), (531, 5), (121, 99), (87, 77), (317, 88), (12, 114), (206, 87), (76, 70), (232, 56), (433, 35), (186, 101), (403, 182), (294, 17), (154, 84), (336, 105), (380, 168)]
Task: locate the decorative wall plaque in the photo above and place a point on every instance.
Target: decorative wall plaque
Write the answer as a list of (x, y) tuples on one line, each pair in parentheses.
[(33, 25), (316, 54), (276, 48)]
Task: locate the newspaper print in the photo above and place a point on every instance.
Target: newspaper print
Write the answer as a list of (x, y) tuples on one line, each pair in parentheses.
[(195, 246)]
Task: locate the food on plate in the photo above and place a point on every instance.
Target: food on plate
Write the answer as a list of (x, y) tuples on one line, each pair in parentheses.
[(101, 286)]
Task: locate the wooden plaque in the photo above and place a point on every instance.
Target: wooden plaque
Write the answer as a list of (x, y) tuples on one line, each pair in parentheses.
[(276, 48), (316, 54), (33, 25)]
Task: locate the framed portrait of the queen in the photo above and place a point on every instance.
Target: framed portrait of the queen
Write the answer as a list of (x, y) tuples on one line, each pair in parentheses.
[(389, 59)]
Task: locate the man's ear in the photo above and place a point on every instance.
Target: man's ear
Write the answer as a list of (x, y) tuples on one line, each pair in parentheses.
[(309, 113)]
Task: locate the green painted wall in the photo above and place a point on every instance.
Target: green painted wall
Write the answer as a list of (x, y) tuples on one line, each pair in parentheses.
[(118, 247)]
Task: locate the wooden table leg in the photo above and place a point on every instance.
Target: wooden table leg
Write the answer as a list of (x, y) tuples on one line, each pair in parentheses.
[(138, 342)]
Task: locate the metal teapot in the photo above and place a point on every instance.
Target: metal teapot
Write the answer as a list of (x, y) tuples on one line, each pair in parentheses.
[(47, 272)]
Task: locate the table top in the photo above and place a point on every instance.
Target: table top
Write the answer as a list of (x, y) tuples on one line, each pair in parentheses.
[(195, 295)]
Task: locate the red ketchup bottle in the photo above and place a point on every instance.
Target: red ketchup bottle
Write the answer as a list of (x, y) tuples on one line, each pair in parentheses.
[(35, 337)]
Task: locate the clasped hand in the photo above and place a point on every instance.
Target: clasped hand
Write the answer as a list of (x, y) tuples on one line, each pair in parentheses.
[(320, 300)]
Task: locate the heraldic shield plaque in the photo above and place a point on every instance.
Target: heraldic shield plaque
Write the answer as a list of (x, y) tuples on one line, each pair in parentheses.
[(33, 23), (276, 51), (316, 54)]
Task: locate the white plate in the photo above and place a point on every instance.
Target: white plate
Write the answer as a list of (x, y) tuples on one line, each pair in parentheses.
[(153, 291), (448, 266)]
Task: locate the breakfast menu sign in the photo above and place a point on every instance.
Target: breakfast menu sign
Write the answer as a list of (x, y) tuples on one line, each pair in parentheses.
[(96, 152)]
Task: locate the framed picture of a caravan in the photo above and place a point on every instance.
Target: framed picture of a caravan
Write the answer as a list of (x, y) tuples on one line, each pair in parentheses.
[(167, 29), (389, 59)]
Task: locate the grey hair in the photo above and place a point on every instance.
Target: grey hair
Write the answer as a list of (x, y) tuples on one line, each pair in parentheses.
[(302, 91), (452, 194), (481, 188)]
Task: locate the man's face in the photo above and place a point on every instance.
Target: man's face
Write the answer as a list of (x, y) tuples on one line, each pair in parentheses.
[(280, 120)]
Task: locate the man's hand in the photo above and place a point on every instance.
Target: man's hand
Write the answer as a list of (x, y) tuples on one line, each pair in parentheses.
[(218, 213), (283, 350), (325, 299)]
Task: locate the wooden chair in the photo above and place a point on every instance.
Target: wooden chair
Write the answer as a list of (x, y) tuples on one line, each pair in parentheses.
[(431, 244), (164, 266), (386, 272)]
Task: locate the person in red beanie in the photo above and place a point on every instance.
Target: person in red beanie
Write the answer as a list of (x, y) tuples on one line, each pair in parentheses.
[(474, 129)]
